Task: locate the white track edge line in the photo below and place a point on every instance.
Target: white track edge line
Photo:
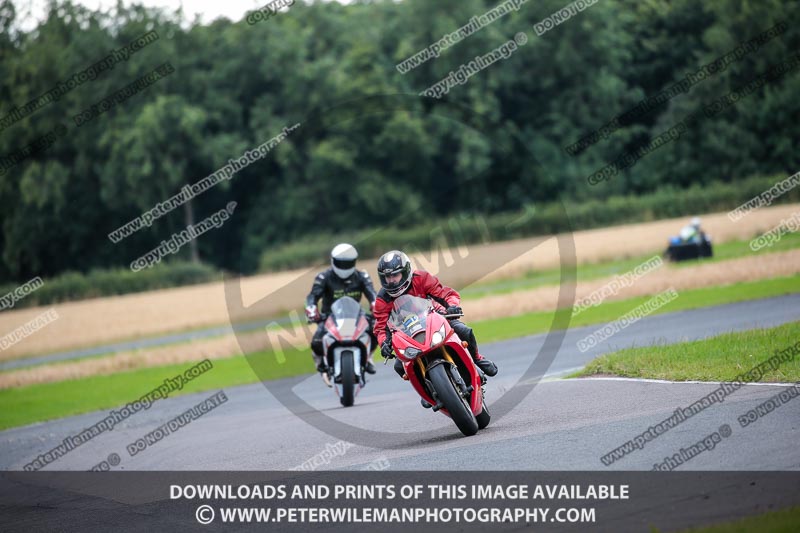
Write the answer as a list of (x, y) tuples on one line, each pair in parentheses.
[(645, 380)]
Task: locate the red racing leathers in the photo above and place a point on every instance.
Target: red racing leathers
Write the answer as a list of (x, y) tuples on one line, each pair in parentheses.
[(423, 285)]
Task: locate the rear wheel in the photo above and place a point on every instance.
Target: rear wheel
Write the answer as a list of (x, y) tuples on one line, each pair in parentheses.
[(348, 379), (455, 404), (484, 418)]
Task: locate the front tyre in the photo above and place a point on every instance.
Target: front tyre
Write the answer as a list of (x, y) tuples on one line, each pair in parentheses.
[(348, 379), (456, 405), (484, 418)]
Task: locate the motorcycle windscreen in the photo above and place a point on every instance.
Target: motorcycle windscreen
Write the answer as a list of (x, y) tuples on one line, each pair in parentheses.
[(345, 312), (410, 314)]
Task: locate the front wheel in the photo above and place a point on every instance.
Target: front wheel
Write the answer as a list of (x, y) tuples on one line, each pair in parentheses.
[(348, 379), (484, 418), (455, 404)]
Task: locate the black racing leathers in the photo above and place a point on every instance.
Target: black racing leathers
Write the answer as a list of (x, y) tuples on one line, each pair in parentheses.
[(329, 287)]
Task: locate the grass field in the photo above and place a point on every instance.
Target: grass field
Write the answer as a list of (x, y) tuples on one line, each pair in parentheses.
[(46, 401), (720, 358)]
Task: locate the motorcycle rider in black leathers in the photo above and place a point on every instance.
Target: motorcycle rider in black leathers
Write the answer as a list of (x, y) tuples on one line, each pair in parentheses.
[(342, 279)]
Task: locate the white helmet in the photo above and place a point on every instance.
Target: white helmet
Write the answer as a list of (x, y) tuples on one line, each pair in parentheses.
[(343, 260), (695, 222)]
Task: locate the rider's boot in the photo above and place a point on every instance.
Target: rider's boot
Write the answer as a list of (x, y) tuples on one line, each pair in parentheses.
[(469, 341), (424, 403), (369, 366), (322, 368), (398, 367), (486, 365)]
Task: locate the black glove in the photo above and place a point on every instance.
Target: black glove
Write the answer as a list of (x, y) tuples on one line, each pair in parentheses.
[(455, 310), (386, 349)]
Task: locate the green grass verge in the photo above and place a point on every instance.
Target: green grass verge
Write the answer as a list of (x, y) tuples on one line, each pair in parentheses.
[(48, 401), (719, 358), (783, 521)]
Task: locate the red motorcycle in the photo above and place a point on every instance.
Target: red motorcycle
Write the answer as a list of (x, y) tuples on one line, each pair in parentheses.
[(437, 363)]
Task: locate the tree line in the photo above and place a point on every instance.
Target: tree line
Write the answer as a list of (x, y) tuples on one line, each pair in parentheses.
[(526, 129)]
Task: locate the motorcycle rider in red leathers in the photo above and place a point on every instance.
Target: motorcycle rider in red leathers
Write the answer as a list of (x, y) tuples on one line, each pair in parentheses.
[(398, 277)]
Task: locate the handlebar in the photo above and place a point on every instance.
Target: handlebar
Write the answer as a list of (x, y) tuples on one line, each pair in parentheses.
[(322, 318)]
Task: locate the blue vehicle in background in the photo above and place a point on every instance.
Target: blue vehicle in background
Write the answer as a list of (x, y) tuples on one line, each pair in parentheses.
[(691, 243)]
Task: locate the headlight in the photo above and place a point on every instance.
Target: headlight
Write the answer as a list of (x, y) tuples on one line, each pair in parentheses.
[(412, 353), (438, 336)]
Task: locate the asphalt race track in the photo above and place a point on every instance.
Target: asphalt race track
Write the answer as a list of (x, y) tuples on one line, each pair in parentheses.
[(560, 425)]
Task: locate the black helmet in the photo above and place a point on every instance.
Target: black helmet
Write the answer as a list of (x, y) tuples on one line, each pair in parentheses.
[(395, 262)]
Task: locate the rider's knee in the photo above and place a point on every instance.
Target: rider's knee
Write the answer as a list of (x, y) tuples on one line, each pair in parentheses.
[(316, 346)]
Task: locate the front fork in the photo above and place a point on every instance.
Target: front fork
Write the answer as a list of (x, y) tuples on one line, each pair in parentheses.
[(464, 390)]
